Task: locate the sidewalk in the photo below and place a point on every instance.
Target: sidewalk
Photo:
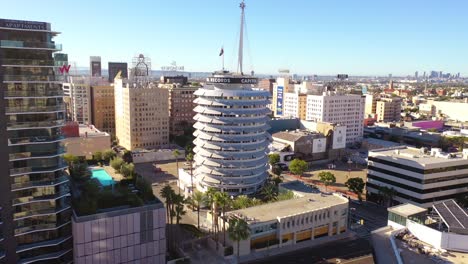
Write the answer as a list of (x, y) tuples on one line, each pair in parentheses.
[(290, 248)]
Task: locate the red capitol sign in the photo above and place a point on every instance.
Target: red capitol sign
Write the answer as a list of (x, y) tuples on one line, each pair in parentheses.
[(64, 68)]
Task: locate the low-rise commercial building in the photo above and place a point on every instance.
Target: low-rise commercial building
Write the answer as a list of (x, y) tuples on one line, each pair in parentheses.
[(278, 224), (417, 176), (89, 141), (310, 145)]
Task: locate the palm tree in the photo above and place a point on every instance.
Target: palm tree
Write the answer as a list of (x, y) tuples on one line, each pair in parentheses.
[(209, 199), (238, 230), (223, 201), (198, 198), (241, 202), (387, 194), (168, 193), (176, 154), (189, 158), (269, 192)]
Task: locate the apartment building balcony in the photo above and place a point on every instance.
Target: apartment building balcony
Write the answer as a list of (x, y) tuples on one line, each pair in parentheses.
[(35, 109), (35, 184), (41, 227), (17, 44), (30, 125), (44, 198), (43, 212), (35, 140), (32, 78), (33, 94), (30, 170), (28, 63)]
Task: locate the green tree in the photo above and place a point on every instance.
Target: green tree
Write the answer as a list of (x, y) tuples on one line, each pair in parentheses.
[(189, 159), (116, 163), (273, 158), (127, 170), (269, 192), (97, 156), (146, 191), (387, 194), (276, 180), (298, 167), (285, 195), (276, 170), (127, 156), (238, 230), (241, 202), (70, 159), (79, 171), (327, 178), (356, 185), (223, 201), (198, 199), (108, 154), (178, 207), (168, 193)]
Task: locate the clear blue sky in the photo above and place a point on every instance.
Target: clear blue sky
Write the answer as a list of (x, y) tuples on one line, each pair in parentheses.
[(307, 36)]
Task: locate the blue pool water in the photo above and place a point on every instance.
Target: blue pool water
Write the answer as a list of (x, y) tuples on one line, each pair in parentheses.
[(102, 176)]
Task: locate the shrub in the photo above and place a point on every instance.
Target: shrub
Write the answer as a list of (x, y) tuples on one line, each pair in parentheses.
[(117, 163)]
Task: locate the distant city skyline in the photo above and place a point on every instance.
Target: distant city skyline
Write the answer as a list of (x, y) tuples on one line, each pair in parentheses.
[(324, 38)]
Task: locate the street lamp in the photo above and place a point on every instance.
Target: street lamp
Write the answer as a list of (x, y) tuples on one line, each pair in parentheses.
[(349, 168)]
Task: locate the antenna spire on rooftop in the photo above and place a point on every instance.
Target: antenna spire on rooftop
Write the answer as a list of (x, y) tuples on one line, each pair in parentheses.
[(241, 39)]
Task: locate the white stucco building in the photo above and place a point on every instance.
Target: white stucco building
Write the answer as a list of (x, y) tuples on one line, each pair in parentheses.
[(418, 176), (337, 108)]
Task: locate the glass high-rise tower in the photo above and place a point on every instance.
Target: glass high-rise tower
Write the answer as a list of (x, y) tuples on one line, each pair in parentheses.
[(35, 207)]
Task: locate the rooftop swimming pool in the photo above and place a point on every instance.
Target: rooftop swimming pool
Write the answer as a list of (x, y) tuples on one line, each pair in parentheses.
[(102, 176)]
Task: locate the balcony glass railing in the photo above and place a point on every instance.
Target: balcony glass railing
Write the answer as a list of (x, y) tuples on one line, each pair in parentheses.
[(28, 62), (28, 229), (56, 210), (32, 78), (29, 199), (37, 154), (47, 124), (33, 93), (22, 185), (38, 169), (40, 108), (32, 45), (38, 139)]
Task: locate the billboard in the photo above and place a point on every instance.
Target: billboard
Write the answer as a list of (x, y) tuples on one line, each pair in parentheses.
[(279, 100)]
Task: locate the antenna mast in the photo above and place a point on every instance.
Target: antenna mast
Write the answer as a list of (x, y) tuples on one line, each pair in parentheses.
[(241, 39)]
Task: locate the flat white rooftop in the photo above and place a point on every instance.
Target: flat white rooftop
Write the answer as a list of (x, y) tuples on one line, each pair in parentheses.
[(416, 155), (270, 211), (90, 131), (406, 209)]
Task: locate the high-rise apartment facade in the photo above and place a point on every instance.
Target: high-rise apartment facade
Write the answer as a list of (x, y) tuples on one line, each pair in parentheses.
[(181, 105), (341, 109), (116, 67), (141, 114), (77, 92), (35, 210)]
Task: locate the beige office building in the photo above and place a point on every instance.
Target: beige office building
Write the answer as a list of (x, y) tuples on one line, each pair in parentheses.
[(102, 108), (388, 109), (141, 115)]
